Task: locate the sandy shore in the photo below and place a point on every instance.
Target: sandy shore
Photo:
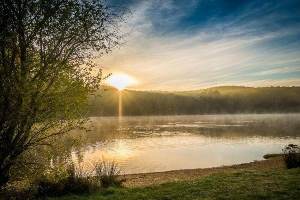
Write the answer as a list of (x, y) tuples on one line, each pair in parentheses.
[(147, 179)]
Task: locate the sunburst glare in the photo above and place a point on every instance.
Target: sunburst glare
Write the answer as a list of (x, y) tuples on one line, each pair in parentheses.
[(121, 81)]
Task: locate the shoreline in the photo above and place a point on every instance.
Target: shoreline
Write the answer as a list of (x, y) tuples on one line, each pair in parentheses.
[(200, 114), (156, 178)]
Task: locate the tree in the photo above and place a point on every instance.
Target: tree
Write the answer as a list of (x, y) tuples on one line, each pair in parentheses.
[(46, 72)]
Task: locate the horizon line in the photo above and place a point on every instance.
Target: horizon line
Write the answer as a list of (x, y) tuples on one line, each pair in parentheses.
[(202, 88)]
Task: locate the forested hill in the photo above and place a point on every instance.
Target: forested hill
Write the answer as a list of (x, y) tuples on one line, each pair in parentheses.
[(226, 99)]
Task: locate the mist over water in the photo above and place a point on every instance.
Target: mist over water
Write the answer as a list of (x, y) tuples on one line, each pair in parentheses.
[(160, 143)]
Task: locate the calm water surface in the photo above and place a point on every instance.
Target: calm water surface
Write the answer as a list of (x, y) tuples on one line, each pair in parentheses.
[(160, 143)]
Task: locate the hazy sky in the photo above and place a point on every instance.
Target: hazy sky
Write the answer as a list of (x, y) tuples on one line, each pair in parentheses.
[(190, 44)]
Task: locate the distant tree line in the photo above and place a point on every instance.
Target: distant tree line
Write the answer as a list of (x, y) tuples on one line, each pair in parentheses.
[(216, 100)]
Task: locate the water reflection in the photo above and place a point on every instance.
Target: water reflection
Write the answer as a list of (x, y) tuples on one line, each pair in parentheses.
[(120, 108), (147, 144)]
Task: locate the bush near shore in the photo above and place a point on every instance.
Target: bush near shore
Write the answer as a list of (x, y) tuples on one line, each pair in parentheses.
[(68, 179), (290, 155)]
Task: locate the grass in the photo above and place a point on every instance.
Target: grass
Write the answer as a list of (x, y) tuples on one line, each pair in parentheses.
[(246, 184)]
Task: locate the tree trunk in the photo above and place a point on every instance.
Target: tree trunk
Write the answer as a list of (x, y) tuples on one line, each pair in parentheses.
[(4, 176)]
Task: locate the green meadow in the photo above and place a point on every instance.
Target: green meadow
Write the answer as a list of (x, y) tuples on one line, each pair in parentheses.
[(246, 184)]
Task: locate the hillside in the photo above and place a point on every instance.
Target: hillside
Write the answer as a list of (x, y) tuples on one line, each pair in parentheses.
[(225, 99)]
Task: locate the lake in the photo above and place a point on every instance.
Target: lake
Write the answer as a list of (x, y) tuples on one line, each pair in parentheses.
[(161, 143)]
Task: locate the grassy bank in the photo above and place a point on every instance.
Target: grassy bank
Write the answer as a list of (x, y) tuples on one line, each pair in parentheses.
[(156, 178), (244, 184)]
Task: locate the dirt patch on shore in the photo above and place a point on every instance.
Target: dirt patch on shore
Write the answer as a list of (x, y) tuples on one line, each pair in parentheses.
[(147, 179)]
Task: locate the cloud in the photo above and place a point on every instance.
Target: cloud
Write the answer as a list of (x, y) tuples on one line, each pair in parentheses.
[(241, 51)]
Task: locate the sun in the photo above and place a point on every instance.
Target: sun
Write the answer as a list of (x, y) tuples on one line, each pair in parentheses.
[(120, 81)]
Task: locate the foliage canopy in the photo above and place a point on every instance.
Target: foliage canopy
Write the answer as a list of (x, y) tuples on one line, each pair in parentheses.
[(46, 72)]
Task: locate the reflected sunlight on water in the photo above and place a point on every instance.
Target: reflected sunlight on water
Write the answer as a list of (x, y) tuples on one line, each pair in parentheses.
[(148, 144)]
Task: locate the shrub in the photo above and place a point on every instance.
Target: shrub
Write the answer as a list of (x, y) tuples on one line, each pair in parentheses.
[(291, 156), (61, 182), (17, 193), (107, 174), (70, 180)]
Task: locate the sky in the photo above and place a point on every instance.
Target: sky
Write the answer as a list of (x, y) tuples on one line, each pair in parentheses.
[(192, 44)]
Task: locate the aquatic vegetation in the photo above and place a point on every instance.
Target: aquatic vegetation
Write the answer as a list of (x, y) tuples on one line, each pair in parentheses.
[(106, 173)]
